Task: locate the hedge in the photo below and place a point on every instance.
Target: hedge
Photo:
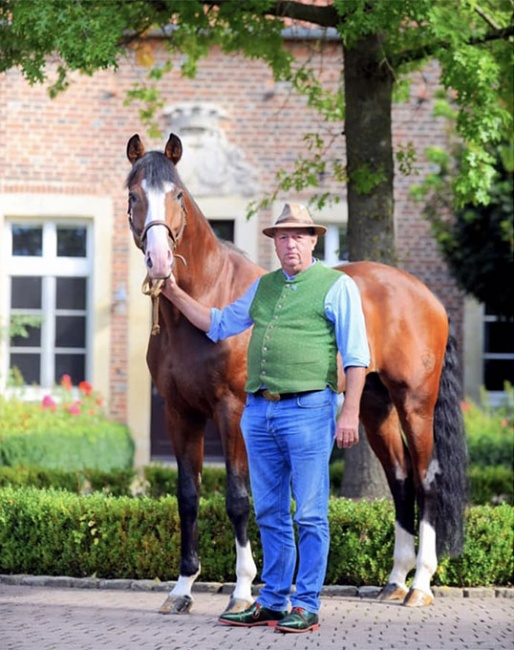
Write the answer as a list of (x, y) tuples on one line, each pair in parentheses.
[(106, 446), (55, 532), (488, 485)]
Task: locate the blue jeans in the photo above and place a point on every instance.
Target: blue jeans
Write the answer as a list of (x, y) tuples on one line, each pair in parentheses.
[(289, 445)]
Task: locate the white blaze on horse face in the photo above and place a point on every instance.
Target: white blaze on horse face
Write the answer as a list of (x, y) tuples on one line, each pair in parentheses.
[(158, 254)]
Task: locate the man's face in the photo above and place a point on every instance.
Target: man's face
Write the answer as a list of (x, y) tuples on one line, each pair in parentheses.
[(294, 248)]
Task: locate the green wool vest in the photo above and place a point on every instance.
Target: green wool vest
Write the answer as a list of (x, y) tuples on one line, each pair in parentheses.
[(293, 346)]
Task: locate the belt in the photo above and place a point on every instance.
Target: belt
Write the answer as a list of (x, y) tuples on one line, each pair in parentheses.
[(277, 397)]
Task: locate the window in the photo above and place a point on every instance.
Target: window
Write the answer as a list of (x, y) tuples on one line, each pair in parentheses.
[(332, 248), (223, 228), (498, 352), (49, 269)]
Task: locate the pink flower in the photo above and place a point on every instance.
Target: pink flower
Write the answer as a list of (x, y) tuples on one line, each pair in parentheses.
[(74, 409), (48, 402), (66, 382)]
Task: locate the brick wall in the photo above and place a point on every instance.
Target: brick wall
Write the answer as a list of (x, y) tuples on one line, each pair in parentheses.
[(76, 144)]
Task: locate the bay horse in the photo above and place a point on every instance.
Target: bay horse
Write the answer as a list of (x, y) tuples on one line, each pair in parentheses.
[(410, 406)]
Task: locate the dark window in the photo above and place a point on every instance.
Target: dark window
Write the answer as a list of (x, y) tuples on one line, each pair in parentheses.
[(71, 293), (71, 242), (27, 241), (26, 293)]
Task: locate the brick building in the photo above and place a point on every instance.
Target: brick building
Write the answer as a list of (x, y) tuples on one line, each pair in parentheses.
[(65, 248)]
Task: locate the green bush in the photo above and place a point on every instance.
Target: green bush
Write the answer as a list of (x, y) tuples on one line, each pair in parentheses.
[(488, 485), (67, 430), (50, 532), (490, 431), (491, 485)]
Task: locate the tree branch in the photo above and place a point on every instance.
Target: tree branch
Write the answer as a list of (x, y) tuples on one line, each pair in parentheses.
[(418, 54)]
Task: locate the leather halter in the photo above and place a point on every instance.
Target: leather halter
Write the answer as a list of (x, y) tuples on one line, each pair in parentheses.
[(140, 237), (150, 287)]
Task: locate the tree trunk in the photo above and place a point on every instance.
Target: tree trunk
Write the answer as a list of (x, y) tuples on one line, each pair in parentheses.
[(368, 92)]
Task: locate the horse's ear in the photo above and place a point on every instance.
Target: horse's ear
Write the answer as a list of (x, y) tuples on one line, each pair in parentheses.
[(135, 148), (173, 150)]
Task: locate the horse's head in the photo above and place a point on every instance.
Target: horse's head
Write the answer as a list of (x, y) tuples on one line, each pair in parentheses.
[(156, 204)]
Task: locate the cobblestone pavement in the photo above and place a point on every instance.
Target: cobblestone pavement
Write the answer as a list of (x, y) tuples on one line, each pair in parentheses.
[(122, 615)]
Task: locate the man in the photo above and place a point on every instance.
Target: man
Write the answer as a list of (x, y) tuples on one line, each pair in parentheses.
[(302, 314)]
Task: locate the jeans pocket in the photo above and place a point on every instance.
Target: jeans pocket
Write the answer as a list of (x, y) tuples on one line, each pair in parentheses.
[(316, 399)]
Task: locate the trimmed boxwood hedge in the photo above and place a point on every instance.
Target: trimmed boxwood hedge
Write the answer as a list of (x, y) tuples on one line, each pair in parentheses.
[(55, 532)]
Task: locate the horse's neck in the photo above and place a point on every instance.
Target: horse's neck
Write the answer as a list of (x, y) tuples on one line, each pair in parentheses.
[(202, 252), (214, 273)]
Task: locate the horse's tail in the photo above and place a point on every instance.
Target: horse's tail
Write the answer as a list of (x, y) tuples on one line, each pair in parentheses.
[(450, 450)]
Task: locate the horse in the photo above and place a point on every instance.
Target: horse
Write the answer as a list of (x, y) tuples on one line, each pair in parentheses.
[(410, 407)]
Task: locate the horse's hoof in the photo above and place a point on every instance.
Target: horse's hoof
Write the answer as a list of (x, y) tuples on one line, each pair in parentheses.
[(392, 592), (418, 598), (176, 605), (238, 605)]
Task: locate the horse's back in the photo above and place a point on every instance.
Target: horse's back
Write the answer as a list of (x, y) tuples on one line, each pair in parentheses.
[(407, 325)]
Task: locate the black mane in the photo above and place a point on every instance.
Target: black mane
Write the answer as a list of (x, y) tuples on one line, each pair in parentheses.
[(156, 168)]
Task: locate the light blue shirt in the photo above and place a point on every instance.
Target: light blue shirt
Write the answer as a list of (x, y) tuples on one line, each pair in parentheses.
[(343, 308)]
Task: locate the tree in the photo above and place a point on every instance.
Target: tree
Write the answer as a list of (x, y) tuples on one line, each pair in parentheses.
[(381, 41), (477, 241)]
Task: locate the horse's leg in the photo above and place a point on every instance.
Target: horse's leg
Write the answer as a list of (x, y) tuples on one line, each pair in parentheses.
[(432, 422), (237, 504), (380, 420), (187, 438)]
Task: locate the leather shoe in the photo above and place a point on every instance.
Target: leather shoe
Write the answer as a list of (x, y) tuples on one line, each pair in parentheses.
[(298, 620), (256, 614)]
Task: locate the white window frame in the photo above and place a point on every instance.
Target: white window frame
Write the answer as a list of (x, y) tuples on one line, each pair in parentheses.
[(72, 210), (49, 267)]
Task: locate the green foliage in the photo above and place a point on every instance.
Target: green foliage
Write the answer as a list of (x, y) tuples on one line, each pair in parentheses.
[(476, 241), (58, 533), (471, 41), (67, 430), (116, 482), (487, 558), (491, 485), (490, 431)]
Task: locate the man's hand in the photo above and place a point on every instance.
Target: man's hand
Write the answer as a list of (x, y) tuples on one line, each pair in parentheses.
[(347, 430)]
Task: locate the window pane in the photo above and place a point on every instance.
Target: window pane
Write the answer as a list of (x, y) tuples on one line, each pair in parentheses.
[(29, 366), (72, 365), (27, 241), (33, 339), (71, 293), (71, 242), (498, 337), (70, 332), (26, 293), (497, 372), (223, 228)]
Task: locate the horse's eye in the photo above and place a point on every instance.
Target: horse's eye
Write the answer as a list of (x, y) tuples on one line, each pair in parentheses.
[(132, 197)]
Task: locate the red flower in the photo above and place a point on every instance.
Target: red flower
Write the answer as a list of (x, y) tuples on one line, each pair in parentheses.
[(86, 388)]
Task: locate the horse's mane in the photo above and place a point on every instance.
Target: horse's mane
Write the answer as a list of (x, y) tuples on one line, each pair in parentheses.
[(158, 170)]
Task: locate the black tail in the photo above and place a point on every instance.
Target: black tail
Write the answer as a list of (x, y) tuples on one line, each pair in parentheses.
[(450, 450)]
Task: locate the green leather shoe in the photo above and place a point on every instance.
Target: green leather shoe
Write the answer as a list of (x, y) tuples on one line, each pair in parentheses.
[(298, 620), (256, 614)]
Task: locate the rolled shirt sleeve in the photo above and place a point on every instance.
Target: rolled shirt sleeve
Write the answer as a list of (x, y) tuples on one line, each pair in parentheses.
[(343, 307)]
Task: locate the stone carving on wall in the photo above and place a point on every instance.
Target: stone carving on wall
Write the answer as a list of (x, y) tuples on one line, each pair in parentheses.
[(210, 165)]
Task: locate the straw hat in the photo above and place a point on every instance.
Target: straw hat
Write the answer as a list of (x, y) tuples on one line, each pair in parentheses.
[(294, 215)]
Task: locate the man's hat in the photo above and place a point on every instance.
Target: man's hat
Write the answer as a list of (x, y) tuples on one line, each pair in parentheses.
[(294, 215)]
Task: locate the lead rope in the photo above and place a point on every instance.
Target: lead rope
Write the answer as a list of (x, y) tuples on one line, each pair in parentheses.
[(153, 289)]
